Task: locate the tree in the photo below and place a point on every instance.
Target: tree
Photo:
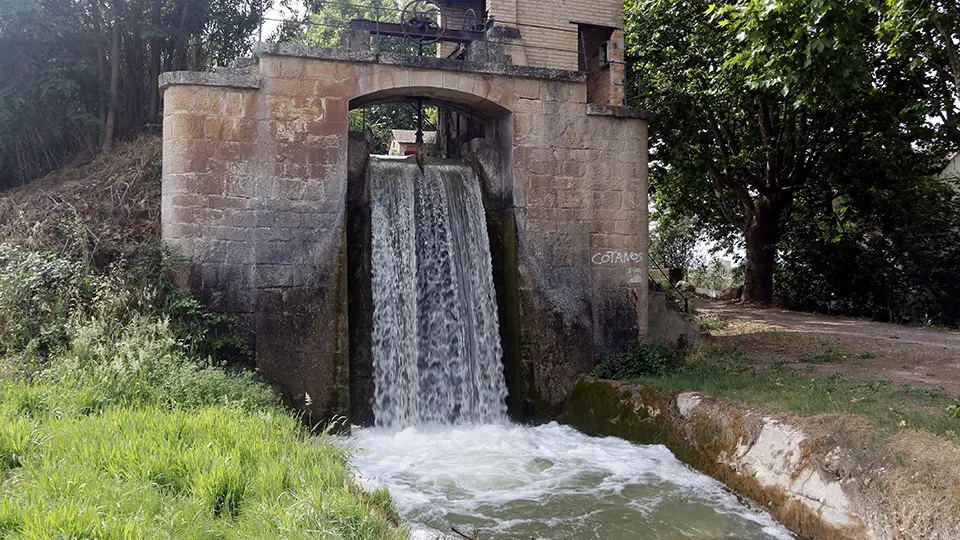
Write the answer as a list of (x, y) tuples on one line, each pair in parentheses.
[(114, 75), (75, 74), (673, 242), (757, 100), (926, 33)]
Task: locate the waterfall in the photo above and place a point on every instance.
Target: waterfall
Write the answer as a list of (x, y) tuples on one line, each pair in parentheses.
[(436, 342)]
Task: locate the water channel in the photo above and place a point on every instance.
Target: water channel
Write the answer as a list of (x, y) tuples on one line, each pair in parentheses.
[(442, 442)]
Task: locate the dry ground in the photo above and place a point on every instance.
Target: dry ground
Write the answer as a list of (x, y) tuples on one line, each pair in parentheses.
[(926, 357), (907, 476)]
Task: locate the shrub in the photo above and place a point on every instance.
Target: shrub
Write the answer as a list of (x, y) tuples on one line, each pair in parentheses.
[(47, 300), (639, 360)]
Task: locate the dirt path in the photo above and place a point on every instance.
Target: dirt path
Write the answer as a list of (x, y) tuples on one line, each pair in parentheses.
[(916, 356)]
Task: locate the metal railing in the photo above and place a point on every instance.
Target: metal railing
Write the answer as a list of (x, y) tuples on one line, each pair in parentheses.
[(418, 21), (672, 290)]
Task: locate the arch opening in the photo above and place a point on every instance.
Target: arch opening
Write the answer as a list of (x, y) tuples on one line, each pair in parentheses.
[(466, 127)]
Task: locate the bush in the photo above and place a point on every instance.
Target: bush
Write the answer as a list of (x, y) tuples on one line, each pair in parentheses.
[(638, 361), (888, 254), (48, 302)]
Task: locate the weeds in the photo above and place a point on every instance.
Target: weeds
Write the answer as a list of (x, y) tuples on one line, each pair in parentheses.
[(638, 360), (727, 373), (121, 416), (713, 322)]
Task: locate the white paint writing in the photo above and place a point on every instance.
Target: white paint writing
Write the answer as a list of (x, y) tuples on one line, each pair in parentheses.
[(616, 257)]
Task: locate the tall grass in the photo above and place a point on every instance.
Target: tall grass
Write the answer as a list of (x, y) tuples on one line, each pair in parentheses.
[(118, 419)]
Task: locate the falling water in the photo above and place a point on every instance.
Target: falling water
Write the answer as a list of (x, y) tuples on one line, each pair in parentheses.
[(442, 443), (436, 342)]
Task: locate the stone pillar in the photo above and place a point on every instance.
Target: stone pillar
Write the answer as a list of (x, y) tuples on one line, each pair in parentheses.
[(355, 40)]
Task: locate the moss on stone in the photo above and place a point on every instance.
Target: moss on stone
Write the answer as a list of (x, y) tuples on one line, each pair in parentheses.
[(707, 440)]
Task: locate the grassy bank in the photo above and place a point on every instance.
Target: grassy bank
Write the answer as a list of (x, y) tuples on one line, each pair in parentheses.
[(126, 412), (729, 374)]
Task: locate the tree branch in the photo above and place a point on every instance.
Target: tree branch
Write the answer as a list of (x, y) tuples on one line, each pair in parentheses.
[(950, 48)]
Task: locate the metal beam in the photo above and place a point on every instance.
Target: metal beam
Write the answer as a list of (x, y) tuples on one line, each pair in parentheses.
[(396, 30)]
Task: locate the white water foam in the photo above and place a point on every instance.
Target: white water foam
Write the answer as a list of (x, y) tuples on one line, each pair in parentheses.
[(443, 446), (436, 341), (551, 481)]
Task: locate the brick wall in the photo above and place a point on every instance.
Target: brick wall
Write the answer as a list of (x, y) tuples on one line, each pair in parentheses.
[(550, 40)]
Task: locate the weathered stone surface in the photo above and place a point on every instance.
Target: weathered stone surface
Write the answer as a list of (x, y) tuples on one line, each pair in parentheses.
[(760, 458), (256, 179)]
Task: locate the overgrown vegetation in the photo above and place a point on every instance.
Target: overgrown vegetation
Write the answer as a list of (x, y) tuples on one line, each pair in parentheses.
[(639, 360), (126, 408), (728, 374)]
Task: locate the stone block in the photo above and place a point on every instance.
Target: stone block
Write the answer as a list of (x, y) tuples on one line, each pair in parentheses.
[(209, 101), (291, 68), (314, 69), (213, 127), (181, 126), (221, 232), (433, 79), (179, 99), (451, 80), (527, 89), (273, 275), (243, 130), (233, 104)]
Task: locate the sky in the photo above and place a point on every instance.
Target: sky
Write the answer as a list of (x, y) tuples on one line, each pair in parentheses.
[(278, 13)]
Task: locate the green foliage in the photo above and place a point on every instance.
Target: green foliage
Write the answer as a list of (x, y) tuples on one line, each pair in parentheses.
[(888, 251), (760, 103), (55, 69), (52, 305), (926, 33), (673, 241), (716, 275), (639, 360)]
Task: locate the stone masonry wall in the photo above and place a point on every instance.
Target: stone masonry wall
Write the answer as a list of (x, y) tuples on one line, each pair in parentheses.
[(547, 31), (255, 178)]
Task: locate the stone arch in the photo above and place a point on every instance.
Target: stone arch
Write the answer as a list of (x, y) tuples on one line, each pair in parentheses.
[(494, 95), (485, 100)]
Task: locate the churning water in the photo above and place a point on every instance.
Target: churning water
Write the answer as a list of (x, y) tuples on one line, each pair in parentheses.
[(442, 444), (510, 481)]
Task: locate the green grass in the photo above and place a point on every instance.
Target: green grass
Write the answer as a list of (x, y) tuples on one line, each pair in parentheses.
[(713, 322), (157, 472), (119, 418), (728, 374), (829, 355)]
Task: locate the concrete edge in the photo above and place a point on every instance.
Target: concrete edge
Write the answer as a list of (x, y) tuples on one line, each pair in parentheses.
[(599, 109), (759, 458), (207, 78), (425, 62)]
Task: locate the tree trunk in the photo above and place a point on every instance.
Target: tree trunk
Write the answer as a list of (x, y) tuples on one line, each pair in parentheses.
[(114, 76), (154, 82), (180, 43), (761, 236), (101, 72)]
